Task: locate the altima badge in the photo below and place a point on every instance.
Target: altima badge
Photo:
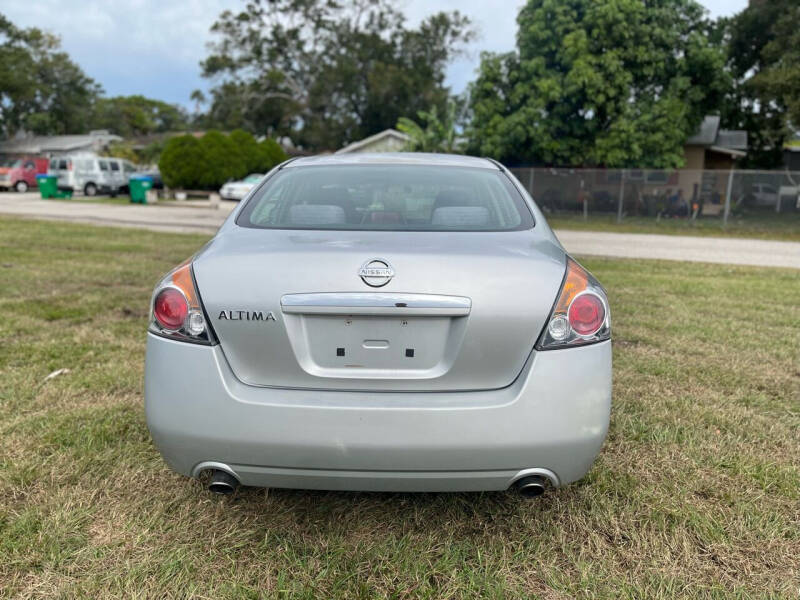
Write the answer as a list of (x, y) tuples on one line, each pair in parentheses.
[(245, 315), (376, 272)]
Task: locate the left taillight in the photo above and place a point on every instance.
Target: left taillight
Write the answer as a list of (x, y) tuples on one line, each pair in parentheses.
[(176, 311), (580, 315)]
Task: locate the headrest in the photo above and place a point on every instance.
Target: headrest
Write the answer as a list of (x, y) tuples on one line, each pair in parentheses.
[(316, 214), (461, 216)]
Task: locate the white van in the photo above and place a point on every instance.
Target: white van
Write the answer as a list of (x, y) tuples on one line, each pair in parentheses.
[(92, 174)]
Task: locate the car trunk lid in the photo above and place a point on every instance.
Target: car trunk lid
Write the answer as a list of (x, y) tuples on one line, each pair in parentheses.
[(461, 312)]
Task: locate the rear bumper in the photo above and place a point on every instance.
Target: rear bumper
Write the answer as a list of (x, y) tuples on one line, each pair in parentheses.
[(552, 419)]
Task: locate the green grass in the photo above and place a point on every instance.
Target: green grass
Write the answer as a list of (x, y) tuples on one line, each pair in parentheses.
[(762, 224), (696, 493)]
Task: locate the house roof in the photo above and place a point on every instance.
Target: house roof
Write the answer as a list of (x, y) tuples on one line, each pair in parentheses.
[(56, 143), (733, 142), (386, 133), (707, 134)]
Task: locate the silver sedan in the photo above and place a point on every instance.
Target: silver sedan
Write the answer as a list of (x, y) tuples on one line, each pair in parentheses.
[(387, 322)]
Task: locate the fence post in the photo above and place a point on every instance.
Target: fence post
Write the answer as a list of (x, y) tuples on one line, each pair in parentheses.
[(728, 193), (530, 182), (621, 195)]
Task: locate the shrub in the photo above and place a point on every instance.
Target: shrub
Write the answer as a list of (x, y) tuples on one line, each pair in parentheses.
[(183, 163), (271, 154), (223, 161), (247, 151), (208, 162)]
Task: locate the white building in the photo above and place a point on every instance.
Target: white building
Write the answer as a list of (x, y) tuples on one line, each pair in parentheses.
[(388, 140), (52, 145)]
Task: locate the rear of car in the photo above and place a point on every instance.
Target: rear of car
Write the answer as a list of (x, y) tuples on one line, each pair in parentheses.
[(391, 322), (19, 174)]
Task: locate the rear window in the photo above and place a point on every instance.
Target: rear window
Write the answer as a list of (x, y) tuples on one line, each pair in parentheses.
[(388, 198)]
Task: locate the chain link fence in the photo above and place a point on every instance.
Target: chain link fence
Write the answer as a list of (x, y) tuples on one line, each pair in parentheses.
[(683, 194)]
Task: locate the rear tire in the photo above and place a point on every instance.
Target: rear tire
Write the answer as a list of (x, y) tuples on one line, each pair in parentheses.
[(21, 187), (90, 189)]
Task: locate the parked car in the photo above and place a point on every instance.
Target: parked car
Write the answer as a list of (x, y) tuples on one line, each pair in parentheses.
[(392, 322), (762, 194), (155, 175), (20, 173), (236, 190), (92, 174)]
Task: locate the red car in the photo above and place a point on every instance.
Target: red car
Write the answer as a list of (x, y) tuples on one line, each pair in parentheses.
[(20, 173)]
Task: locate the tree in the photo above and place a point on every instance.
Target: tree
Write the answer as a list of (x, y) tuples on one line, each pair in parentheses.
[(438, 135), (199, 99), (41, 89), (764, 61), (619, 83), (136, 115), (327, 72)]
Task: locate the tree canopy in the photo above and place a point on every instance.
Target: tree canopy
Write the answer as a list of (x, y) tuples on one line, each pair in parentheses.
[(598, 82), (136, 115), (439, 134), (41, 89), (327, 72), (764, 61)]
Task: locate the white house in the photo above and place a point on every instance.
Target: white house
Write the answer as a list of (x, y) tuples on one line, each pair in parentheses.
[(51, 145), (388, 140)]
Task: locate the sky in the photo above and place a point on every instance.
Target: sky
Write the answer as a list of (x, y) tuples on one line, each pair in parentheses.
[(153, 47)]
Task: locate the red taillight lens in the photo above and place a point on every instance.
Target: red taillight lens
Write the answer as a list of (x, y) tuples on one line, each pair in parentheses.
[(176, 311), (170, 308), (587, 313)]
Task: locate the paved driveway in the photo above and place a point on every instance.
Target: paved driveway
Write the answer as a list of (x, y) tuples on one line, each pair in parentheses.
[(197, 217), (182, 217), (735, 251)]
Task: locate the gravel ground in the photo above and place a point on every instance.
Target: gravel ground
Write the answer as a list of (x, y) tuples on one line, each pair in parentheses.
[(198, 217)]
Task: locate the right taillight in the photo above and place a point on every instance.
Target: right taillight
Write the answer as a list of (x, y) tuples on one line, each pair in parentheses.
[(580, 315)]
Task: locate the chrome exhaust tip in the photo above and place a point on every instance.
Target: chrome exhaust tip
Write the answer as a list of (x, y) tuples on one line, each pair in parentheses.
[(531, 486), (222, 483)]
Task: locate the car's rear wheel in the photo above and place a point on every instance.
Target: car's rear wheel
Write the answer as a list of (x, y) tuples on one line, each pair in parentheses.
[(21, 186), (90, 189)]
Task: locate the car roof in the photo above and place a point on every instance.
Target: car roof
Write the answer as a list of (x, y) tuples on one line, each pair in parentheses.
[(394, 158)]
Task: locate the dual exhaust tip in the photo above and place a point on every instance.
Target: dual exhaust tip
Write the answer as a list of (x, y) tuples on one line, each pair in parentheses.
[(225, 484)]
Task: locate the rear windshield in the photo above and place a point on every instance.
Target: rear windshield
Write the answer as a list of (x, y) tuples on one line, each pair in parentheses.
[(388, 197)]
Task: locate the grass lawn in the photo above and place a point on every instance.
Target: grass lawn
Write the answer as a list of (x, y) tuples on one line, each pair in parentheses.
[(755, 224), (696, 493)]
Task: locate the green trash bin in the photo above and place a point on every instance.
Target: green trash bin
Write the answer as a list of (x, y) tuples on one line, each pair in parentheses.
[(138, 186), (48, 185)]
